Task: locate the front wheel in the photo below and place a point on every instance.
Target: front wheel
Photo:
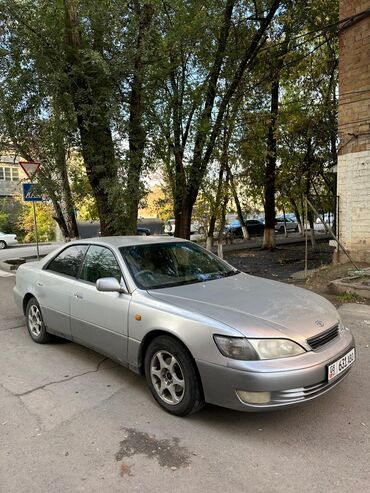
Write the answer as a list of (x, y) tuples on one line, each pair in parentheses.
[(35, 323), (172, 377)]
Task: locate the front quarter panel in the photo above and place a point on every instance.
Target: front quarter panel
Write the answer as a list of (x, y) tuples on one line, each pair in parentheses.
[(193, 330)]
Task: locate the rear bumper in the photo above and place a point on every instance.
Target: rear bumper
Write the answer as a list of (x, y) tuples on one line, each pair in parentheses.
[(286, 388)]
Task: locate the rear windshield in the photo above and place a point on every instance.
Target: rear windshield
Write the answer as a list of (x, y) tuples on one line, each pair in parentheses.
[(173, 264)]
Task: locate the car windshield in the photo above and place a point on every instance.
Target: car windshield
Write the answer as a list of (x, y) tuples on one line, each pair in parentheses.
[(165, 265)]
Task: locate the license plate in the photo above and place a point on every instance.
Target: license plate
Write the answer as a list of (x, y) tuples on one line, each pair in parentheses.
[(336, 368)]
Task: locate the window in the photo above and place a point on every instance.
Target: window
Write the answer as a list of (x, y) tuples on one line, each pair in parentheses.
[(2, 174), (68, 261), (173, 264), (8, 174), (15, 174), (99, 262)]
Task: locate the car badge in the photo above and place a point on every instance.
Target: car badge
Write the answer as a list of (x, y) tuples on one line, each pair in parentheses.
[(320, 323)]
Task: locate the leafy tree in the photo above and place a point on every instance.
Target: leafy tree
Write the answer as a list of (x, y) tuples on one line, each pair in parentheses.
[(45, 223)]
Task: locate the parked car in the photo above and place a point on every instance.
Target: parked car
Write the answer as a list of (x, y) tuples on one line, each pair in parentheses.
[(139, 232), (195, 227), (143, 231), (291, 225), (197, 328), (7, 240), (255, 227)]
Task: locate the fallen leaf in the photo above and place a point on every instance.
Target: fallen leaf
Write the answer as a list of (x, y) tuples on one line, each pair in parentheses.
[(125, 470)]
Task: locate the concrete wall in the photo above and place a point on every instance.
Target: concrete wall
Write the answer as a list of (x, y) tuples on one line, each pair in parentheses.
[(354, 132)]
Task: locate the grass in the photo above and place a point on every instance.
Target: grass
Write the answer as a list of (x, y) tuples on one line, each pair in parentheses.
[(349, 297)]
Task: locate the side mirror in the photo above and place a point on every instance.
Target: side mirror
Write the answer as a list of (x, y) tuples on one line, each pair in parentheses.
[(110, 285)]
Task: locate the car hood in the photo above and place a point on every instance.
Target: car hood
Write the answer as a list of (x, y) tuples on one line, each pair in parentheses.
[(254, 306)]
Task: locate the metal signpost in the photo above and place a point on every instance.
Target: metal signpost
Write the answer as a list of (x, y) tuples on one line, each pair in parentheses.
[(31, 194)]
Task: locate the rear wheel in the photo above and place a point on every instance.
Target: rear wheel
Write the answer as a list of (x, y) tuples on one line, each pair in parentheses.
[(2, 245), (172, 377), (35, 323)]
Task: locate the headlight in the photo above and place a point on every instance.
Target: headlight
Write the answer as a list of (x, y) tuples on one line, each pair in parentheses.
[(235, 347), (276, 348), (253, 349)]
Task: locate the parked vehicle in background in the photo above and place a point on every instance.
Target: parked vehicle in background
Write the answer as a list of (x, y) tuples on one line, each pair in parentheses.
[(290, 224), (197, 328), (7, 240), (195, 228), (143, 232), (255, 227)]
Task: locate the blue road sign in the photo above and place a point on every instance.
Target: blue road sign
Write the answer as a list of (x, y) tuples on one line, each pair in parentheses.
[(30, 193)]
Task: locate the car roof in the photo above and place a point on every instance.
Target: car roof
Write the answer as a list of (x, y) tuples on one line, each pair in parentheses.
[(122, 241)]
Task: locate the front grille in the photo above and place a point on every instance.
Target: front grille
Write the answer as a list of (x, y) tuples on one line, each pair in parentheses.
[(323, 338)]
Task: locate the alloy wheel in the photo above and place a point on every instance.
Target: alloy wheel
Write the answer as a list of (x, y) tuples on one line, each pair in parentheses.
[(167, 377), (34, 320)]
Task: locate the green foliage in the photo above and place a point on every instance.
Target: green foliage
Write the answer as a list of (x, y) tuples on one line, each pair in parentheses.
[(96, 75), (45, 223), (10, 209), (349, 297), (3, 221)]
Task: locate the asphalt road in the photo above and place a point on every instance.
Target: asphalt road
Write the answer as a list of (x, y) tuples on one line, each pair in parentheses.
[(71, 421), (26, 251)]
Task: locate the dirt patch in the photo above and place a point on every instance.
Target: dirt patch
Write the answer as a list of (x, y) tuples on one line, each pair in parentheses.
[(280, 264), (288, 259), (168, 453)]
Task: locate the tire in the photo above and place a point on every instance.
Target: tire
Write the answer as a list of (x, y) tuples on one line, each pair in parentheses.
[(3, 245), (167, 362), (35, 323), (281, 230)]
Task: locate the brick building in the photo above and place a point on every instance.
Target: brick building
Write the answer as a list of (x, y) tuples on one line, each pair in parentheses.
[(354, 128)]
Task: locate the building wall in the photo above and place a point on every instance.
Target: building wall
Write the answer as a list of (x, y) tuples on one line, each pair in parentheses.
[(11, 175), (354, 132)]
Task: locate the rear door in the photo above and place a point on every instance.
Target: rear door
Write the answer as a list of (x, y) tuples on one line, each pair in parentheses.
[(55, 288), (100, 320)]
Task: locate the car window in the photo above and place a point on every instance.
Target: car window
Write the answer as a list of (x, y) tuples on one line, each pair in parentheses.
[(68, 261), (173, 264), (99, 262)]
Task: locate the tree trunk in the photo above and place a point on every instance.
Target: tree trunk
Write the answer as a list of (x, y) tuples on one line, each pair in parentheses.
[(137, 134), (89, 87), (312, 231), (220, 250), (216, 209), (298, 216), (239, 208), (269, 241)]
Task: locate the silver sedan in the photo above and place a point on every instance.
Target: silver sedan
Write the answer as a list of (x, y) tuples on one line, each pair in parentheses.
[(198, 329)]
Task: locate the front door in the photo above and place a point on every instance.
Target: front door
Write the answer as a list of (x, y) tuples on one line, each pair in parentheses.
[(98, 319)]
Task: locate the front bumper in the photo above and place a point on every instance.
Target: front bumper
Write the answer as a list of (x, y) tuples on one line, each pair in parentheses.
[(287, 387)]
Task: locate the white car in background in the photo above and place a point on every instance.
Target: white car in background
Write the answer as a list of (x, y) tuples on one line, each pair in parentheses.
[(291, 225), (7, 240), (195, 228)]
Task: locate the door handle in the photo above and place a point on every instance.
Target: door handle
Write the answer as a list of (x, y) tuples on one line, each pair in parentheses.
[(78, 296), (40, 284)]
